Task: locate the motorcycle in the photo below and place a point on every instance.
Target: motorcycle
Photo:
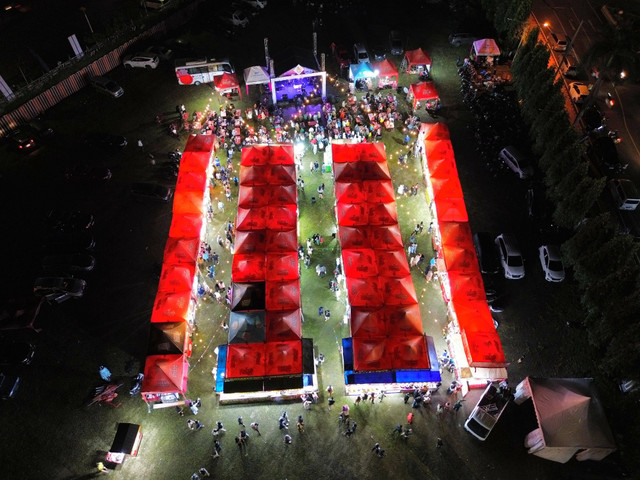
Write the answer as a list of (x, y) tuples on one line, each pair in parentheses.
[(609, 100)]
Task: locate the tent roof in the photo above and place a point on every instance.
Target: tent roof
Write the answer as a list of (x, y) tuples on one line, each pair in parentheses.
[(361, 70), (284, 325), (181, 250), (570, 413), (297, 70), (385, 68), (424, 91), (483, 348), (282, 194), (352, 152), (438, 149), (349, 192), (256, 75), (177, 277), (467, 286), (451, 210), (385, 237), (417, 57), (382, 213), (283, 295), (363, 292), (196, 161), (403, 320), (370, 354), (246, 360), (456, 234), (398, 291), (186, 225), (409, 352), (226, 81), (272, 154), (282, 217), (251, 218), (486, 47), (171, 306), (367, 322), (248, 267), (472, 315), (378, 191), (352, 214), (192, 180), (359, 263), (250, 241), (247, 326), (165, 374), (282, 240), (282, 266), (250, 196), (188, 201), (435, 131), (361, 170), (247, 296), (446, 187), (353, 237), (199, 143), (284, 358), (392, 263), (169, 338), (461, 258)]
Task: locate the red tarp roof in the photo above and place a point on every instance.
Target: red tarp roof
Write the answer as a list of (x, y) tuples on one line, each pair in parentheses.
[(171, 306), (246, 360), (483, 349), (195, 161), (462, 259), (363, 292), (191, 180), (284, 358), (443, 168), (268, 175), (226, 81), (284, 295), (356, 152), (276, 154), (349, 192), (435, 131), (371, 354), (250, 196), (448, 187), (417, 57), (456, 234), (361, 170), (282, 194), (382, 214), (282, 266), (385, 68), (188, 201), (186, 225), (409, 352), (438, 149), (250, 241), (251, 218), (181, 250), (169, 338), (282, 217), (165, 374), (352, 214), (359, 263), (466, 286), (472, 315), (398, 291), (248, 267), (385, 237), (199, 143), (282, 240), (451, 210), (403, 320), (424, 91), (284, 325), (368, 322), (353, 237), (177, 278), (378, 191), (392, 263)]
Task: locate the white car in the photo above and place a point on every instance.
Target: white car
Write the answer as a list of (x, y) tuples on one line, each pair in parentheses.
[(578, 92), (551, 262), (141, 60), (510, 256), (558, 42)]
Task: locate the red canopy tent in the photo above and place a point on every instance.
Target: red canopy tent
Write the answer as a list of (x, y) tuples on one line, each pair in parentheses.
[(462, 259), (364, 292), (192, 180), (283, 295), (284, 325), (255, 155), (349, 192), (247, 296), (483, 349), (403, 320), (186, 225), (165, 374), (254, 175), (199, 143), (282, 266), (447, 187), (456, 234), (409, 352), (387, 237), (284, 358), (282, 217), (250, 241), (281, 175), (281, 240), (282, 194), (383, 214), (359, 263), (398, 291), (392, 263), (451, 210), (387, 74), (437, 149), (250, 196), (281, 154), (251, 218), (370, 354), (378, 191), (247, 326), (246, 360), (435, 131), (423, 92), (170, 338), (248, 267), (368, 322), (416, 58), (195, 161), (443, 168), (466, 286), (188, 201), (172, 307), (227, 83), (177, 278), (352, 214), (353, 237), (472, 315), (361, 170), (355, 152), (181, 250)]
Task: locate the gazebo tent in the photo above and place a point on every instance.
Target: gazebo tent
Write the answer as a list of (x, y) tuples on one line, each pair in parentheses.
[(246, 360), (227, 83), (361, 71), (282, 241), (256, 75), (248, 267), (186, 225), (165, 374), (367, 322), (284, 325), (387, 74), (282, 266), (386, 237), (283, 295), (247, 296), (359, 263), (423, 92), (181, 250), (169, 338), (293, 82), (173, 307), (435, 131), (353, 152), (247, 326), (284, 358), (486, 47), (177, 278), (349, 192), (250, 241), (417, 59), (571, 419)]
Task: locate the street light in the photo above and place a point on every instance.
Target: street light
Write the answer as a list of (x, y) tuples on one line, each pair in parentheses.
[(84, 10)]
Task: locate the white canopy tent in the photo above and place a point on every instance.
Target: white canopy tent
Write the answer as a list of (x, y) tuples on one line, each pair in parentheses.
[(256, 75), (486, 47), (571, 420)]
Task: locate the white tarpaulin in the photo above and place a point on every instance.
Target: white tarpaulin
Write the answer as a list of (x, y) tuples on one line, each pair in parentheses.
[(486, 47)]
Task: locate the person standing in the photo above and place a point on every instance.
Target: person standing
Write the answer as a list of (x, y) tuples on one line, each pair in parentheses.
[(241, 422), (204, 472), (256, 427), (287, 439), (439, 443), (216, 449)]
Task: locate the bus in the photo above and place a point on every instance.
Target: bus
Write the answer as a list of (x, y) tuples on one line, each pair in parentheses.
[(197, 71)]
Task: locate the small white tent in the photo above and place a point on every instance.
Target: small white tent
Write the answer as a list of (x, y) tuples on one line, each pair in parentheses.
[(486, 47), (256, 75), (571, 420)]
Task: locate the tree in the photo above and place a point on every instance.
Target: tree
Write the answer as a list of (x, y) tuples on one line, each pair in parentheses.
[(588, 237), (576, 199)]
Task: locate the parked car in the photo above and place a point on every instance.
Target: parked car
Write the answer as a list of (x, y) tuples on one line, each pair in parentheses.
[(16, 352), (457, 39), (558, 42), (605, 154), (163, 53), (23, 140), (141, 60), (68, 221), (69, 262), (151, 191), (396, 45), (627, 386), (105, 140), (8, 386), (593, 120), (237, 18), (59, 289), (69, 242), (107, 86), (510, 256), (578, 92), (342, 57), (87, 174), (40, 127), (378, 52), (486, 253), (569, 69), (551, 261), (516, 161), (360, 53)]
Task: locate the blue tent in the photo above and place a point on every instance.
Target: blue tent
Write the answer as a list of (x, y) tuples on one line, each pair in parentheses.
[(359, 71)]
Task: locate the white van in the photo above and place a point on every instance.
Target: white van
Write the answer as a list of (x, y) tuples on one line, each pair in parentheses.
[(624, 193), (516, 161), (360, 53)]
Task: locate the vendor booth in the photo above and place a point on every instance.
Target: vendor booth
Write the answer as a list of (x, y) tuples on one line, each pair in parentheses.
[(126, 442), (360, 77), (256, 75), (416, 61), (227, 83), (299, 82), (387, 74), (570, 417), (165, 380), (484, 49), (423, 93)]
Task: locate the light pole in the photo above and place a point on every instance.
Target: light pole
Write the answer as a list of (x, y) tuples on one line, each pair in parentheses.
[(84, 10)]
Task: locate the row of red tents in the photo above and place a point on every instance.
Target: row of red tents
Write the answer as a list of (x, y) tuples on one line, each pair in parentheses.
[(265, 325), (463, 285), (167, 366), (385, 321)]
